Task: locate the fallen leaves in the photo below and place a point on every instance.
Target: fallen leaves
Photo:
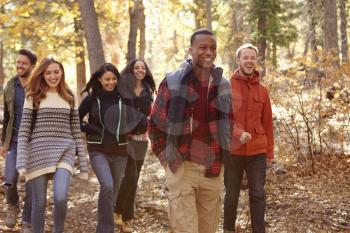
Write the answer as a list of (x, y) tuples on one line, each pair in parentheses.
[(298, 201)]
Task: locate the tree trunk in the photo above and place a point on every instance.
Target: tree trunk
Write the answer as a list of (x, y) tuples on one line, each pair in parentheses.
[(208, 5), (149, 60), (343, 26), (306, 45), (92, 33), (175, 48), (330, 31), (198, 13), (2, 73), (291, 51), (262, 43), (134, 12), (142, 28), (311, 39), (235, 36), (79, 55), (274, 54)]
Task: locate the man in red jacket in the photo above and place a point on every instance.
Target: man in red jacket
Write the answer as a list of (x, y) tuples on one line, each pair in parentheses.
[(252, 140)]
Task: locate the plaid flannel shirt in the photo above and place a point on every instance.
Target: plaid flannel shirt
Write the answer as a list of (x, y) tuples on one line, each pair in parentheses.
[(219, 109)]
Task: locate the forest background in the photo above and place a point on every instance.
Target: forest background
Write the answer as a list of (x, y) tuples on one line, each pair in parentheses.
[(304, 61)]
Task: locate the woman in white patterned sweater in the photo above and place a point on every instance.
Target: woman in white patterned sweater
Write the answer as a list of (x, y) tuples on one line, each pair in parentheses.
[(49, 141)]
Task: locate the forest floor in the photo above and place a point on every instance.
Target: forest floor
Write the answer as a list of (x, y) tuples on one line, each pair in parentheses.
[(298, 200)]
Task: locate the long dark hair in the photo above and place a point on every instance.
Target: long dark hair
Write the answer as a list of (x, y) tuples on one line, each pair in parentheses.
[(128, 76), (94, 85)]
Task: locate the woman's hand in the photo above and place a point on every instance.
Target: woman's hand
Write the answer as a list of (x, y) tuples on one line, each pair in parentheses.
[(83, 176)]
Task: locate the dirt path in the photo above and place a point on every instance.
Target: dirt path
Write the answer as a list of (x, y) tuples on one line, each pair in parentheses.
[(296, 202)]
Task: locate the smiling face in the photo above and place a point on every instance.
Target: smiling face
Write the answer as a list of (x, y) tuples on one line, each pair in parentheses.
[(203, 51), (108, 81), (23, 66), (139, 70), (53, 76), (247, 60)]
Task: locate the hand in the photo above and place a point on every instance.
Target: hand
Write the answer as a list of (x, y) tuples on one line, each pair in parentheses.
[(164, 164), (269, 162), (21, 175), (3, 151), (245, 137), (83, 176)]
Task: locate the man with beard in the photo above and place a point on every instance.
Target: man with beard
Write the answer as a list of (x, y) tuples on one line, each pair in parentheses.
[(14, 96), (190, 133), (252, 140)]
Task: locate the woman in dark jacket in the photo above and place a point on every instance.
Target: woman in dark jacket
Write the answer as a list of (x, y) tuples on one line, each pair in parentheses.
[(137, 87), (107, 138)]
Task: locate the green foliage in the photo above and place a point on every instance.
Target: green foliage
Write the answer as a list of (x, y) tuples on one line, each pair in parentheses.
[(279, 31), (46, 27)]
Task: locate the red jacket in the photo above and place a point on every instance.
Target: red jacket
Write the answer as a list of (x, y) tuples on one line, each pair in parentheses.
[(251, 113)]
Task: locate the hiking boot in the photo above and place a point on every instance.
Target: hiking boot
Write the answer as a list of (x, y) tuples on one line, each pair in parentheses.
[(118, 219), (126, 227), (26, 228), (11, 216)]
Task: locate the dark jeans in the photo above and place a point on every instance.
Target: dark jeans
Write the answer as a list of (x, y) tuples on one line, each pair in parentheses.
[(255, 168), (126, 196), (109, 170), (10, 184)]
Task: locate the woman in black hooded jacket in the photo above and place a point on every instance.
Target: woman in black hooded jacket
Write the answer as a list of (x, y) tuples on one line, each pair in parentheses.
[(107, 138)]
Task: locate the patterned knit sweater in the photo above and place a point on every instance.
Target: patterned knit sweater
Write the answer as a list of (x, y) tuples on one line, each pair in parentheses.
[(53, 142)]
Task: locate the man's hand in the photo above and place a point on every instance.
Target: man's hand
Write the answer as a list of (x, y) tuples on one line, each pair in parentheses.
[(269, 162), (245, 137), (3, 151), (164, 164)]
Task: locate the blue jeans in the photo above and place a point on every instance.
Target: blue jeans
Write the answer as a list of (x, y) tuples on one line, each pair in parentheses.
[(11, 179), (255, 168), (61, 182), (109, 170), (126, 197)]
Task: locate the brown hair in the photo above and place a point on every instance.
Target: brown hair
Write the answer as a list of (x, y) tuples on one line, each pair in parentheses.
[(37, 86)]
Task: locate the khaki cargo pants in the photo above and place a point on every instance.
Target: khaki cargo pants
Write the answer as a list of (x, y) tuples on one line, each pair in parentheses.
[(194, 200)]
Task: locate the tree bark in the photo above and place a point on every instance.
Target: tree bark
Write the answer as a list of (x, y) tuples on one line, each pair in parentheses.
[(2, 73), (142, 28), (198, 13), (262, 43), (79, 55), (92, 33), (175, 39), (208, 5), (274, 54), (311, 39), (236, 35), (134, 12), (343, 26), (330, 31)]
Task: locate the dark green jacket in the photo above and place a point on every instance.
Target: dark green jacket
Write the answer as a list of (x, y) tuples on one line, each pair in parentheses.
[(9, 112)]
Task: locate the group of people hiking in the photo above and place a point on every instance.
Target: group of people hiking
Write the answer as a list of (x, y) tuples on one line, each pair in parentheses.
[(205, 129)]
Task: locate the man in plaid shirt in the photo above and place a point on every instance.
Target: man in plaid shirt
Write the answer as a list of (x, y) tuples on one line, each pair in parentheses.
[(190, 133)]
